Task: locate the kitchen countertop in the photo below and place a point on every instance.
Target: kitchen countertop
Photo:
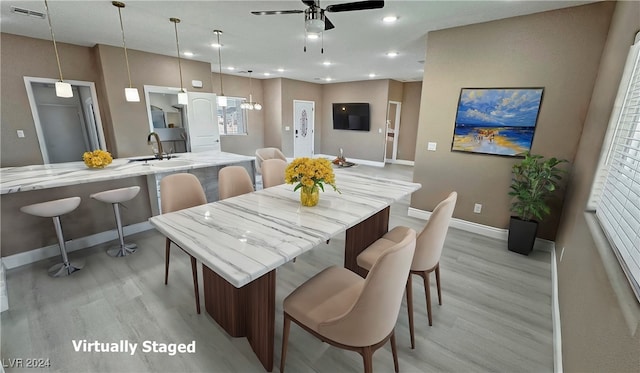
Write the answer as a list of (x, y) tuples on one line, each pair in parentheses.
[(26, 178)]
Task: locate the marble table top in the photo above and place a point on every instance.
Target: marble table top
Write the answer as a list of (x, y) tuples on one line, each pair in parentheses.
[(245, 237), (25, 178)]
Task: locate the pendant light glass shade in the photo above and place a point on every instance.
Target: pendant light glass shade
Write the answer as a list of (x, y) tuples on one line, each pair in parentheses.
[(63, 89), (250, 105), (131, 94), (183, 98), (222, 99)]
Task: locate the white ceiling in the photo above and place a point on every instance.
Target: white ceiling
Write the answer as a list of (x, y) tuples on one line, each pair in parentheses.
[(356, 47)]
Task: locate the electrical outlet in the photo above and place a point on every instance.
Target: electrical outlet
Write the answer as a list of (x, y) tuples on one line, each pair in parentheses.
[(431, 146), (477, 208), (20, 133)]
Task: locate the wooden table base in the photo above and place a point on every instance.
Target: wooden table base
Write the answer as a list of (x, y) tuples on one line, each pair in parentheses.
[(361, 236), (248, 311)]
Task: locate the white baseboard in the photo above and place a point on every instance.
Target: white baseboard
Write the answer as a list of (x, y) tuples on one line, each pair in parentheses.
[(401, 162), (555, 315), (32, 256), (481, 229)]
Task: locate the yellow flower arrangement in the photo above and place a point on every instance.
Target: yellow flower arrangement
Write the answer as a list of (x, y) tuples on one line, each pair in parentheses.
[(310, 173), (97, 158)]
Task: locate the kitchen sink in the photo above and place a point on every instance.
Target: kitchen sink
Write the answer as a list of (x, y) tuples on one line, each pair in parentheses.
[(170, 163)]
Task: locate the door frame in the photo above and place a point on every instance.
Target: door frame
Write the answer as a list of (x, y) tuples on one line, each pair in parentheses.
[(313, 127), (396, 132), (28, 80)]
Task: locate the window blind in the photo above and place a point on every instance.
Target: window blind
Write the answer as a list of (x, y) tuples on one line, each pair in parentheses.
[(618, 208)]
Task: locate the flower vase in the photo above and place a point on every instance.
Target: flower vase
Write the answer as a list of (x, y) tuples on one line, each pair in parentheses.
[(309, 196)]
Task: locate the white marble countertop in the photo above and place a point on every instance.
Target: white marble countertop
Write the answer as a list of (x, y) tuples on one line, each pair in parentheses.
[(244, 237), (25, 178)]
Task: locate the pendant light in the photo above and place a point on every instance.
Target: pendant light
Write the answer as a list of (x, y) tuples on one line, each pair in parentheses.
[(182, 95), (62, 89), (250, 105), (131, 94), (222, 99)]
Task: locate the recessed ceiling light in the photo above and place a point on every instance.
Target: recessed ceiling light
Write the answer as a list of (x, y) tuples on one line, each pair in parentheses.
[(313, 36), (327, 63), (188, 54), (280, 70), (392, 54), (267, 74), (328, 79), (372, 75), (231, 68), (389, 19), (216, 45)]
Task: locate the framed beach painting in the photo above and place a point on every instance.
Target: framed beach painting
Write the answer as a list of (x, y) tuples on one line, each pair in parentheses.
[(499, 121)]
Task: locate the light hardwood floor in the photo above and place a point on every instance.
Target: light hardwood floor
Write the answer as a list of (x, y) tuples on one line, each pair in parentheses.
[(495, 317)]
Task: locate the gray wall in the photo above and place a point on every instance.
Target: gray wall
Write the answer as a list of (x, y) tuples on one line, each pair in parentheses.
[(558, 50), (595, 336)]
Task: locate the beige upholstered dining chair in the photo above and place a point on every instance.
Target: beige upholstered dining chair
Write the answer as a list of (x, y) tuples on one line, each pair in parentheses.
[(273, 172), (178, 192), (233, 181), (429, 246), (267, 153), (343, 309)]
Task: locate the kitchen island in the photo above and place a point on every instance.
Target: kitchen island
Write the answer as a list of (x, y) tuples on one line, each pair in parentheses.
[(26, 238)]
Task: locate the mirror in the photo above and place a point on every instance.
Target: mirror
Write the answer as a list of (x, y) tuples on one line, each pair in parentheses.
[(167, 118)]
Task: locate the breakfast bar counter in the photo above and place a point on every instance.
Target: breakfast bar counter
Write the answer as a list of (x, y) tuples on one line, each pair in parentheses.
[(27, 178)]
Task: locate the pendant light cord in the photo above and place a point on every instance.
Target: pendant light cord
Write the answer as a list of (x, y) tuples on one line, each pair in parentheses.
[(175, 26), (218, 32), (124, 44), (55, 46)]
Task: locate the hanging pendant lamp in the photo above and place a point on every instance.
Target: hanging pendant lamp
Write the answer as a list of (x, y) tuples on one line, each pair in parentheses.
[(250, 105), (131, 94), (183, 99), (63, 89), (222, 99)]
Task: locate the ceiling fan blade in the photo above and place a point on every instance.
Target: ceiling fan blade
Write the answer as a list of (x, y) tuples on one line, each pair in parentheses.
[(275, 12), (327, 24), (311, 2), (358, 5)]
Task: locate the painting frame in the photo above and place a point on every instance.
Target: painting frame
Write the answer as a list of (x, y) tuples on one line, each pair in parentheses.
[(496, 121)]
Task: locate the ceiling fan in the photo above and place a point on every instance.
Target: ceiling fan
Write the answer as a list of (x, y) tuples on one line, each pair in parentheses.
[(314, 19)]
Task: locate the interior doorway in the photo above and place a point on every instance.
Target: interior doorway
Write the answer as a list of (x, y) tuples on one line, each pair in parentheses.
[(66, 127), (303, 128), (393, 131)]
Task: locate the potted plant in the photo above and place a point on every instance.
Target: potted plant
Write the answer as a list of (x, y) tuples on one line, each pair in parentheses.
[(534, 180)]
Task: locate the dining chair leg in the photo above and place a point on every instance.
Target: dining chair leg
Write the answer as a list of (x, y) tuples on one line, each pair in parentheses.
[(367, 357), (438, 284), (394, 351), (194, 272), (410, 310), (166, 260), (427, 291), (285, 341)]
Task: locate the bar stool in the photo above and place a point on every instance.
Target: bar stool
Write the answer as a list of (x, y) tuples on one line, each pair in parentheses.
[(116, 197), (53, 209)]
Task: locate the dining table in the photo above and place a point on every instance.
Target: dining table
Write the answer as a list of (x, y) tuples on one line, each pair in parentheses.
[(241, 241)]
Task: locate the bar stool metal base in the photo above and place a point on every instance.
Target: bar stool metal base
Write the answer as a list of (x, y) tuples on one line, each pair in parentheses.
[(122, 250), (64, 269)]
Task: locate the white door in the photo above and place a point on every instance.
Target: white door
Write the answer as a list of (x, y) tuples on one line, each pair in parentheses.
[(202, 124), (393, 131), (303, 125)]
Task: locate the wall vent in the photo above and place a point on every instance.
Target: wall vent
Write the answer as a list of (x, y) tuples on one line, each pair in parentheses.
[(27, 12)]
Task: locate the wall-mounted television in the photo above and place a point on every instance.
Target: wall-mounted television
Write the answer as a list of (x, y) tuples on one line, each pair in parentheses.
[(351, 116)]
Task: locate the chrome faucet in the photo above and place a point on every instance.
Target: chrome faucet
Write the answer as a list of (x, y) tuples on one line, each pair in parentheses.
[(160, 153)]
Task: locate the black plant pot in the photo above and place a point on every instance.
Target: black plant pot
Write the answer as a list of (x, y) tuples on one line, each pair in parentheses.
[(522, 235)]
